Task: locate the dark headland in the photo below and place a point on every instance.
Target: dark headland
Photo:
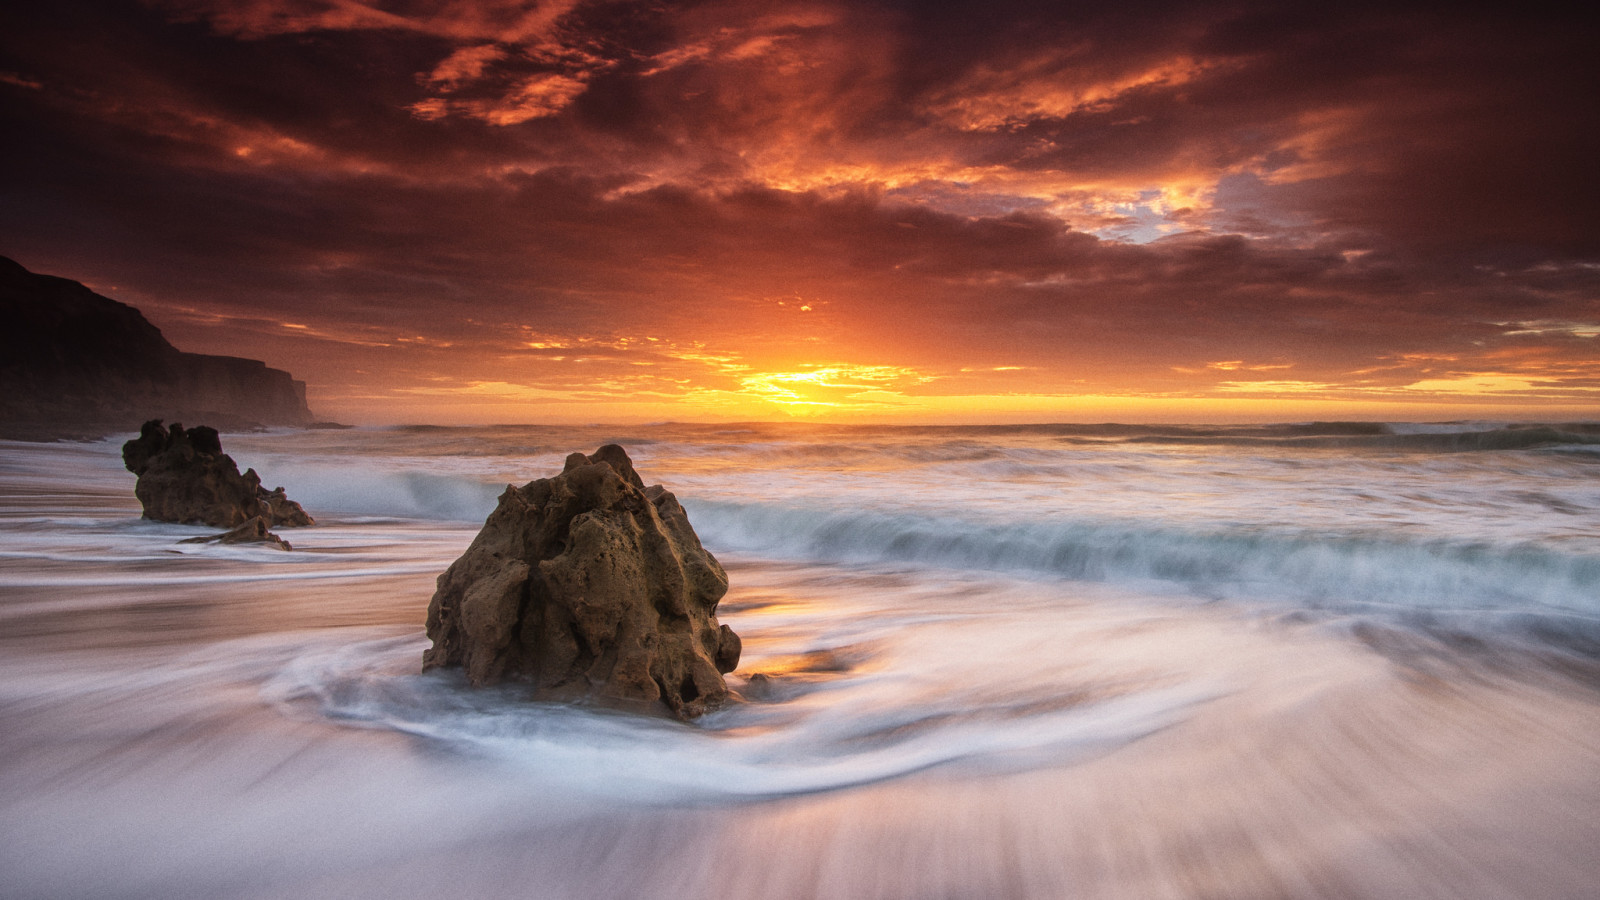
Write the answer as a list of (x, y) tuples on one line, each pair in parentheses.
[(74, 364)]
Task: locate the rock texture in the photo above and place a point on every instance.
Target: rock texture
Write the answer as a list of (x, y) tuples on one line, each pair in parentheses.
[(185, 477), (76, 364), (588, 585)]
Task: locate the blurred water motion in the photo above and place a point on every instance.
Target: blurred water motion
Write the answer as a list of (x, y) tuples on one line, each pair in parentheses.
[(980, 664)]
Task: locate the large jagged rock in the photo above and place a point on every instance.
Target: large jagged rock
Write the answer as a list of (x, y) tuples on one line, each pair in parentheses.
[(185, 477), (588, 585)]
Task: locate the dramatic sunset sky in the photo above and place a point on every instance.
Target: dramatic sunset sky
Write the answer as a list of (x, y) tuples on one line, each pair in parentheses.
[(465, 212)]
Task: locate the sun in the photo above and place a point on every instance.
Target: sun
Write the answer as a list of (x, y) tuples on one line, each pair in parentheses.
[(816, 389)]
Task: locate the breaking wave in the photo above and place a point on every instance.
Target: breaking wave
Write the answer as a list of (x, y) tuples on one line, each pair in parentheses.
[(1337, 570)]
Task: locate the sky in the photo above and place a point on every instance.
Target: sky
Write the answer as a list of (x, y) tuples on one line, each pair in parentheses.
[(567, 211)]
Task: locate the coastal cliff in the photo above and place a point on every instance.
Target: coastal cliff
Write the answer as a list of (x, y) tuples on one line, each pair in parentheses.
[(76, 364)]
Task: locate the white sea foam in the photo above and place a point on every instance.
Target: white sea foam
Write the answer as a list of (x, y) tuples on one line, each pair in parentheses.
[(1358, 570), (997, 662), (860, 734)]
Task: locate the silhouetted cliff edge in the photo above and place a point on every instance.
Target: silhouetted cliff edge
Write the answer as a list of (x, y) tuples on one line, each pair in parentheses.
[(76, 364)]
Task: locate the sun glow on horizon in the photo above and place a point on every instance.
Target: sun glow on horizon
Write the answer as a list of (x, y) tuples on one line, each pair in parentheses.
[(827, 211), (816, 389), (710, 386)]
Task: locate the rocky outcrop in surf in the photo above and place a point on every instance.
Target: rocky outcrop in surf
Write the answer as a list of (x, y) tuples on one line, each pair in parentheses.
[(185, 477), (589, 585), (252, 532)]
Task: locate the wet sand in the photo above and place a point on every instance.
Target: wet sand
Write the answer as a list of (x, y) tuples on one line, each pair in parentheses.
[(187, 721), (1324, 769)]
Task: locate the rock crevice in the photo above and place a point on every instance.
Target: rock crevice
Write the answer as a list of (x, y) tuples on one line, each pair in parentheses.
[(588, 585)]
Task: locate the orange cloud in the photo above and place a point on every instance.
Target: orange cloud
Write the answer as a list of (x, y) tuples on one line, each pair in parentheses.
[(852, 209), (1051, 85), (463, 65), (532, 98), (504, 20)]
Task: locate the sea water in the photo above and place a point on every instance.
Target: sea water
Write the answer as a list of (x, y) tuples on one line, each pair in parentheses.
[(1347, 659)]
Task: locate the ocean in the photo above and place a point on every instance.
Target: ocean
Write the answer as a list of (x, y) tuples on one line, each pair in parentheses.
[(1051, 661)]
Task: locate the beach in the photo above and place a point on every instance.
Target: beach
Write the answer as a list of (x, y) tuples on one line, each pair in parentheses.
[(1316, 660)]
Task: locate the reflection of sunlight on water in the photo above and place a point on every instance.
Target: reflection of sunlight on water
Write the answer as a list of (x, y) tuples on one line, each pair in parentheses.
[(936, 752), (194, 724), (841, 693)]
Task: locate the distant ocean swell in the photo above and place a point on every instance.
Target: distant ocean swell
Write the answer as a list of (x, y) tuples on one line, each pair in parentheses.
[(1333, 568), (1249, 563), (776, 445), (972, 441), (1518, 438)]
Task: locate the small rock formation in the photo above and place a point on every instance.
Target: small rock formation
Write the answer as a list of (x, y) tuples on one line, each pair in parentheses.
[(588, 584), (185, 477), (280, 510), (252, 532)]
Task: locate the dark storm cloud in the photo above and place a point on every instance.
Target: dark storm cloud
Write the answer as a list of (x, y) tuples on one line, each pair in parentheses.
[(1147, 195)]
